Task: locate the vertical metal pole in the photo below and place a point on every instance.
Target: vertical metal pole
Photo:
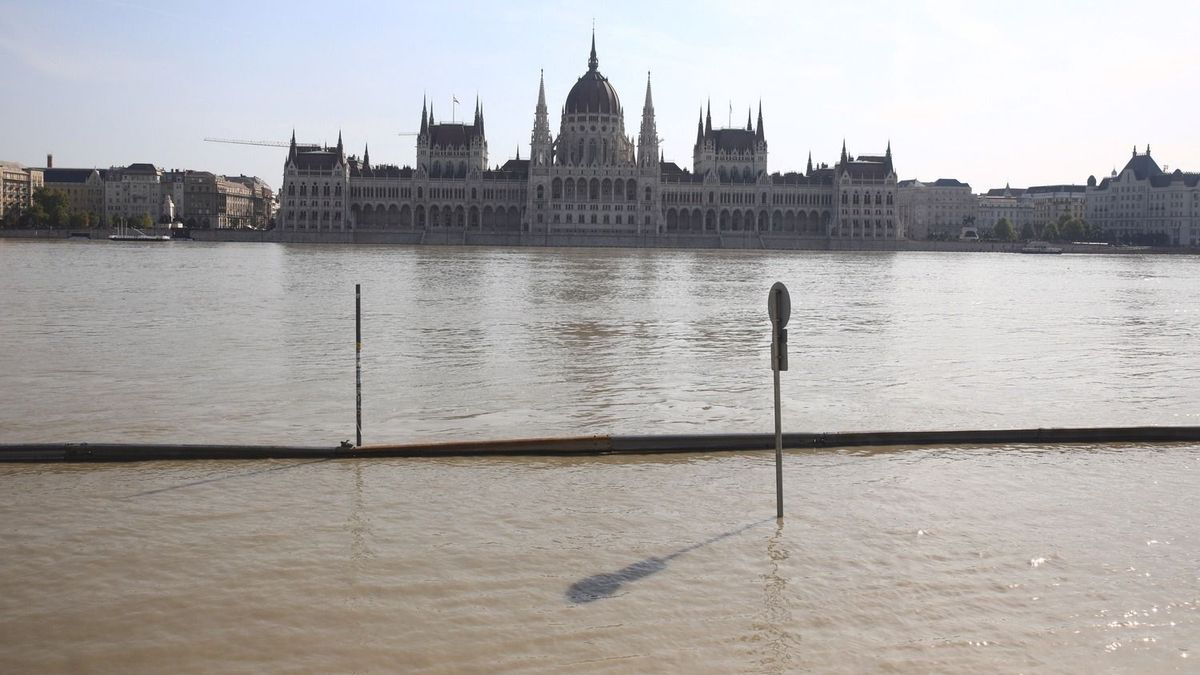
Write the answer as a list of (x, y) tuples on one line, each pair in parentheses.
[(778, 441), (358, 365)]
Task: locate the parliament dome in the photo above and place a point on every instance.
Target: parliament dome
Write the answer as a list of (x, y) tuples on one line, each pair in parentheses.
[(593, 93)]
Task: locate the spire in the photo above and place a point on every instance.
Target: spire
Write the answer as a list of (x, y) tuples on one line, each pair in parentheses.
[(708, 119), (749, 120), (340, 149), (518, 153), (887, 157), (809, 171), (760, 134), (1135, 151), (700, 128), (844, 151), (475, 121), (1147, 149), (593, 62), (431, 113), (424, 121), (648, 136), (292, 149), (541, 104), (481, 119), (366, 157)]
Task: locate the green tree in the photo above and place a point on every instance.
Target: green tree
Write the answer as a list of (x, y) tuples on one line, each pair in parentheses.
[(141, 221), (55, 205), (34, 217), (1050, 231), (78, 220), (12, 218), (1027, 231), (1003, 230), (1073, 230)]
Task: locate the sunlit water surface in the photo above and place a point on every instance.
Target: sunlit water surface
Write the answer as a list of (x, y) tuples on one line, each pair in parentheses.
[(914, 560)]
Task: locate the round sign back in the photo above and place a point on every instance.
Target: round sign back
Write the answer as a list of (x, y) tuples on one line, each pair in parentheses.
[(779, 297)]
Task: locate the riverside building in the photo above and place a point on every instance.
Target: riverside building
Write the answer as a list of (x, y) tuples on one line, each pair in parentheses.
[(592, 177), (943, 206), (17, 185), (1144, 204)]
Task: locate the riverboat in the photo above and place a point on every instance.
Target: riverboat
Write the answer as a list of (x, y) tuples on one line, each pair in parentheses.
[(125, 233), (1040, 247)]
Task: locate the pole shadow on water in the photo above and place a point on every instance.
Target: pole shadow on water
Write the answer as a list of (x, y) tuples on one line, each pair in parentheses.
[(216, 479), (606, 585)]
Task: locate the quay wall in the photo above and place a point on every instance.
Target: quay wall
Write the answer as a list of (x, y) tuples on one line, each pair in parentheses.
[(746, 241)]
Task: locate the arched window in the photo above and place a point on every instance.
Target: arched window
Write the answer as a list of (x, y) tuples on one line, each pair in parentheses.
[(419, 193), (541, 192), (556, 189), (292, 190), (647, 193)]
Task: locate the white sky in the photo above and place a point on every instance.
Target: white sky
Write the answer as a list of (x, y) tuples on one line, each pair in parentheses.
[(989, 93)]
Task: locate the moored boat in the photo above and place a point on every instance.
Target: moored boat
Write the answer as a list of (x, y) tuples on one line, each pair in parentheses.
[(1040, 247)]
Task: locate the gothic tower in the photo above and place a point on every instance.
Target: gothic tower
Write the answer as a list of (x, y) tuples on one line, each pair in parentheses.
[(648, 137)]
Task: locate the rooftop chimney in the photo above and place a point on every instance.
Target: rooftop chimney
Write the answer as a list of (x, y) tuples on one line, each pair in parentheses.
[(49, 161)]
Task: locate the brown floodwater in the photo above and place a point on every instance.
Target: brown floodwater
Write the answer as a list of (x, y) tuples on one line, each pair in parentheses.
[(1009, 559), (964, 559)]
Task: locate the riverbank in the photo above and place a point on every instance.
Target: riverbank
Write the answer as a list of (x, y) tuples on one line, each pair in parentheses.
[(729, 241)]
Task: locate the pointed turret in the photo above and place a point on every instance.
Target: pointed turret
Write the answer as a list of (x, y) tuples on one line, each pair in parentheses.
[(808, 172), (749, 120), (366, 165), (760, 134), (1147, 149), (593, 62), (292, 148), (648, 138), (431, 113), (424, 119), (708, 119), (481, 132), (341, 151), (541, 142), (843, 160), (887, 157), (700, 128)]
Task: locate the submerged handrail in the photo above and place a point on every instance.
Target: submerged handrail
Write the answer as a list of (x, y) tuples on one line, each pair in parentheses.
[(594, 445)]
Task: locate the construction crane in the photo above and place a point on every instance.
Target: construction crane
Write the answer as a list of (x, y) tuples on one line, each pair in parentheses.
[(238, 141), (279, 144)]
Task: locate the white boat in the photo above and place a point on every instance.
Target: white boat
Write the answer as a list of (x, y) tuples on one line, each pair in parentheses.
[(125, 233), (1040, 247)]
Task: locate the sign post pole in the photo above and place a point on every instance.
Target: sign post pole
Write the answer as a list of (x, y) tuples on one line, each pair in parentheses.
[(779, 308), (358, 364)]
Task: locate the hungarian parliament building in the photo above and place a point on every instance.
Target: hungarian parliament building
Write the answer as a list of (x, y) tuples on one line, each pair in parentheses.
[(589, 178)]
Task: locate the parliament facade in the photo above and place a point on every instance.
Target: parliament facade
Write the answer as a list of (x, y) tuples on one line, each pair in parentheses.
[(592, 177)]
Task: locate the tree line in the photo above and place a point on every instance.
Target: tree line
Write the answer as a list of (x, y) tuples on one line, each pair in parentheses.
[(51, 209)]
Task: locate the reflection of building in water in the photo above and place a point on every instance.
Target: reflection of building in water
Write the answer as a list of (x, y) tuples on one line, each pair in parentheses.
[(592, 177)]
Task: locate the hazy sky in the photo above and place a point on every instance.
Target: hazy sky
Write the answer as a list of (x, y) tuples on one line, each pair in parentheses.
[(987, 92)]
